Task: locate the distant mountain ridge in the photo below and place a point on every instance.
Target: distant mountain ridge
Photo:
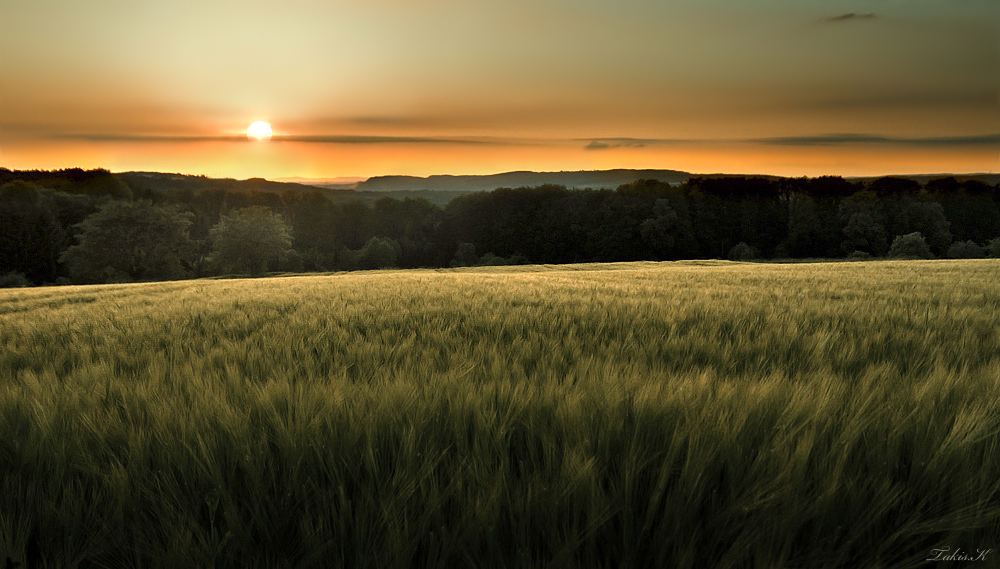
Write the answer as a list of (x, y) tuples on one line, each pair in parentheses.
[(473, 183), (991, 178), (162, 181), (579, 179), (439, 189)]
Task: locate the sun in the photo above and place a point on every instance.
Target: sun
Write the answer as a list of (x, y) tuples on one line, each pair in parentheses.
[(259, 130)]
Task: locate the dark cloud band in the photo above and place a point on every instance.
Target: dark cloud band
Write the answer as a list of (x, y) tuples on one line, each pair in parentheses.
[(590, 144), (849, 17), (985, 140), (834, 139), (321, 139), (624, 142)]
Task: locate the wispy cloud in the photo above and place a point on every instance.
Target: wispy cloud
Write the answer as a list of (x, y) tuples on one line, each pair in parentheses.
[(589, 143), (625, 142), (849, 17), (812, 140), (119, 137), (366, 139), (834, 139), (314, 139)]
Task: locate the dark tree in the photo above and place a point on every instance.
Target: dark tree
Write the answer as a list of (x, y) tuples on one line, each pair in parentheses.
[(910, 246), (412, 223), (894, 187), (31, 237), (926, 218), (131, 240), (465, 256), (865, 234), (971, 208), (250, 241), (379, 253), (992, 248), (742, 252), (965, 250), (805, 229), (662, 233)]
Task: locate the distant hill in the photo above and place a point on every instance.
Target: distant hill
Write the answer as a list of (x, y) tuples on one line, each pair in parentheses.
[(991, 179), (341, 183), (164, 182), (579, 179), (439, 189)]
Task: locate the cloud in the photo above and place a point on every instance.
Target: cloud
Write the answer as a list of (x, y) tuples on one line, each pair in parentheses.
[(812, 140), (112, 137), (834, 139), (314, 139), (850, 16), (625, 142), (591, 144), (366, 139)]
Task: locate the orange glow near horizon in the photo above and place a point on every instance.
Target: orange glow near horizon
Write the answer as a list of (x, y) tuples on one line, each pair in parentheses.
[(279, 159)]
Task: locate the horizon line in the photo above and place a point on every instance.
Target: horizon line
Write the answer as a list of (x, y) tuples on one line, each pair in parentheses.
[(359, 179)]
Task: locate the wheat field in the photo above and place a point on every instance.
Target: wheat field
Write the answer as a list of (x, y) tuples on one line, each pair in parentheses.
[(688, 414)]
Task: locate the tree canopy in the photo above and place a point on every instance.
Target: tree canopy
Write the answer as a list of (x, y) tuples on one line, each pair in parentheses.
[(145, 226), (131, 240), (250, 240)]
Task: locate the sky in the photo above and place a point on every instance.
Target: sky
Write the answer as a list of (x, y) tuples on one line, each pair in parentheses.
[(359, 88)]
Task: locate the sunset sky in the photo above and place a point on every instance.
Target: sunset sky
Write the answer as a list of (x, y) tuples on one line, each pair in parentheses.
[(364, 88)]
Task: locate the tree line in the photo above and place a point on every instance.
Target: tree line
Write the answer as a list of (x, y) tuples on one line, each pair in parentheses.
[(77, 226)]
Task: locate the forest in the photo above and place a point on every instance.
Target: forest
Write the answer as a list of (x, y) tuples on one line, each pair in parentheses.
[(90, 226)]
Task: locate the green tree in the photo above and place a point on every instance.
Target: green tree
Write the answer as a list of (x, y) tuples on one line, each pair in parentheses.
[(14, 279), (31, 237), (992, 248), (465, 256), (379, 253), (742, 252), (926, 218), (131, 240), (863, 233), (250, 241), (910, 246), (965, 250), (661, 231), (491, 260), (804, 227)]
